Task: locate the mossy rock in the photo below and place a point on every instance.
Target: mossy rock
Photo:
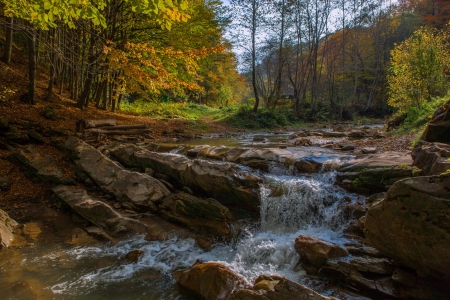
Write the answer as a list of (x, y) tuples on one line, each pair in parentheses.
[(49, 113)]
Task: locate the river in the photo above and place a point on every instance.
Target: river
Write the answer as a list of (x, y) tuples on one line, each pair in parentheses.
[(308, 204)]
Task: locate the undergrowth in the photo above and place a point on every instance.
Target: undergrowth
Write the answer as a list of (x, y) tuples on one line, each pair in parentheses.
[(417, 118)]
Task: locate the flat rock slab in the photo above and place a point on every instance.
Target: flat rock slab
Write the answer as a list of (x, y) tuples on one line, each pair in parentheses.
[(98, 212), (380, 160), (137, 189), (39, 165)]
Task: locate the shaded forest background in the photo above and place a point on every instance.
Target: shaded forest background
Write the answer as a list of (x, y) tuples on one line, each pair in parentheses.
[(314, 60)]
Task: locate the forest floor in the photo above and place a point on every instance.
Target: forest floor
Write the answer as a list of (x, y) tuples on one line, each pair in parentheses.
[(25, 197)]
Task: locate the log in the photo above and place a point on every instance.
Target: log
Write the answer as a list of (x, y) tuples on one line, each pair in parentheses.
[(117, 132), (86, 124), (125, 127)]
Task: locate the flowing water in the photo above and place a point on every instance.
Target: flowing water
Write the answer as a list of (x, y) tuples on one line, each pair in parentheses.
[(310, 205)]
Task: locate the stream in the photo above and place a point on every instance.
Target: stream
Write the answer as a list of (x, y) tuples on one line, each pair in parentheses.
[(309, 205)]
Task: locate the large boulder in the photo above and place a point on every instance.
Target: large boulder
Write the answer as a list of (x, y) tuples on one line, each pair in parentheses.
[(209, 281), (261, 158), (98, 212), (432, 158), (412, 225), (226, 182), (7, 226), (276, 288), (141, 191), (315, 252), (438, 129), (205, 216), (39, 166)]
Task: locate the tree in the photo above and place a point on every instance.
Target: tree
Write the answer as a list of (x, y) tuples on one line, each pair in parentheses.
[(419, 68)]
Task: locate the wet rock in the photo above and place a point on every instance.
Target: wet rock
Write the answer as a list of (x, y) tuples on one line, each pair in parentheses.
[(141, 191), (7, 226), (412, 225), (133, 256), (5, 184), (98, 213), (356, 210), (380, 160), (432, 158), (226, 182), (314, 163), (438, 129), (315, 252), (275, 288), (298, 135), (38, 165), (206, 216), (209, 281)]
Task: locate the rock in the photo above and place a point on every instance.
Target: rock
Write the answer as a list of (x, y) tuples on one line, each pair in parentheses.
[(315, 252), (133, 256), (369, 150), (432, 158), (99, 234), (333, 134), (261, 158), (226, 182), (141, 191), (80, 238), (409, 285), (374, 179), (7, 226), (374, 198), (203, 216), (35, 136), (98, 213), (5, 184), (49, 113), (412, 225), (276, 288), (209, 281), (314, 163), (380, 160), (344, 146), (39, 165), (259, 139), (357, 134), (356, 210), (14, 135), (300, 142), (438, 129)]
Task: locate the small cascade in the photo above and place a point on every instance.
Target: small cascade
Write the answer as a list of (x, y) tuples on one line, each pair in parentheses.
[(302, 203)]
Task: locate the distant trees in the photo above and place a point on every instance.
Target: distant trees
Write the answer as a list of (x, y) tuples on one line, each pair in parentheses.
[(419, 69), (102, 50)]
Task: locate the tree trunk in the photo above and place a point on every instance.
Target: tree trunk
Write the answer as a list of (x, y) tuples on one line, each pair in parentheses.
[(31, 66), (9, 41), (52, 64), (255, 89)]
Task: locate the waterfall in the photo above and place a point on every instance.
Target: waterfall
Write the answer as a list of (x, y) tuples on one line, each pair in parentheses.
[(301, 203)]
